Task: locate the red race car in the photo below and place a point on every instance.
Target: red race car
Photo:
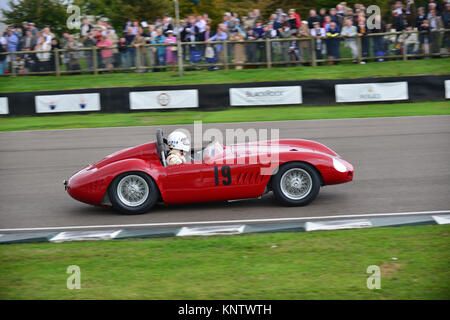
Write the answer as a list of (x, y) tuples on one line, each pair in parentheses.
[(135, 179)]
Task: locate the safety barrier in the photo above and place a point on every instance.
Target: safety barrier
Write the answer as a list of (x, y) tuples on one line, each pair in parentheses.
[(219, 96)]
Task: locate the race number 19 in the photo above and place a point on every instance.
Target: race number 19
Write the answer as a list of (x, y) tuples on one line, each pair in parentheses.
[(226, 173)]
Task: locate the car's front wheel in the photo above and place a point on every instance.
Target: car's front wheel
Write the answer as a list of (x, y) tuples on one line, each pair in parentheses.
[(296, 184), (133, 193)]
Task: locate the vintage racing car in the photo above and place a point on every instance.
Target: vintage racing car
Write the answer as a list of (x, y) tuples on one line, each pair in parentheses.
[(133, 180)]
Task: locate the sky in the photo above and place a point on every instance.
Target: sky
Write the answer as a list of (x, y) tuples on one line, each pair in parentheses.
[(3, 4)]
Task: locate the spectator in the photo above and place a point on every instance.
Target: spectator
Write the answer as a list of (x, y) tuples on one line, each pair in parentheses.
[(28, 42), (129, 37), (106, 52), (305, 45), (285, 33), (248, 22), (139, 43), (313, 17), (54, 46), (425, 36), (446, 21), (43, 55), (46, 33), (349, 31), (33, 29), (294, 20), (2, 57), (135, 28), (410, 12), (397, 21), (319, 35), (89, 41), (338, 19), (221, 35), (149, 35), (259, 33), (112, 36), (239, 49), (166, 26), (378, 41), (333, 42), (86, 28), (420, 17), (171, 51), (365, 43), (410, 41), (123, 52), (160, 50), (252, 47), (71, 45), (13, 41), (436, 24), (322, 14)]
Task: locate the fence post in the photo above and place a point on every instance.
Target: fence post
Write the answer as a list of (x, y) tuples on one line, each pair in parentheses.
[(95, 59), (137, 54), (405, 52), (269, 53), (313, 53), (359, 47), (13, 65), (57, 64), (225, 54)]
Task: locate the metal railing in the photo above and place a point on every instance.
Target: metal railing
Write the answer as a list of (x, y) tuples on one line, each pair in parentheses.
[(239, 54)]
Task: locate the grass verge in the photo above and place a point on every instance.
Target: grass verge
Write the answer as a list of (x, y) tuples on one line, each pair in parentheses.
[(230, 115), (317, 265), (384, 69)]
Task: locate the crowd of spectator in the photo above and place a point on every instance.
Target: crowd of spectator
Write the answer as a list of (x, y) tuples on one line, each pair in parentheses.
[(328, 27)]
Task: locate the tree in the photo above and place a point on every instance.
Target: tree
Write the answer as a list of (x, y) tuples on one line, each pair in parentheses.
[(119, 10), (43, 13)]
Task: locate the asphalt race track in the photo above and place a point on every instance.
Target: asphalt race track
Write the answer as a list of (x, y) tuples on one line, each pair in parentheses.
[(401, 165)]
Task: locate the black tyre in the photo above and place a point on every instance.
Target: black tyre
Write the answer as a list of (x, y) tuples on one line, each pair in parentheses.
[(133, 193), (296, 184)]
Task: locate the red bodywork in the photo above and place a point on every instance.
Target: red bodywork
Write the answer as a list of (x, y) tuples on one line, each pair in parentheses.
[(201, 181)]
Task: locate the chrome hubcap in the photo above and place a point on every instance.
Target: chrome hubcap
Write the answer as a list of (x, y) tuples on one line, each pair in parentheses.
[(296, 183), (133, 190)]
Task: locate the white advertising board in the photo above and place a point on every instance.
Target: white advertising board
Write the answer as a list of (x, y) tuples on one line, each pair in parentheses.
[(163, 99), (362, 92), (263, 96)]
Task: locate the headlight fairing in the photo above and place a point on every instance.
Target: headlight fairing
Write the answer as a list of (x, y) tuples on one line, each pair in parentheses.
[(338, 165)]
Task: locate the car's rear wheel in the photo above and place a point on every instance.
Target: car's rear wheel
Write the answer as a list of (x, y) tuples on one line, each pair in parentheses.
[(133, 193), (296, 184)]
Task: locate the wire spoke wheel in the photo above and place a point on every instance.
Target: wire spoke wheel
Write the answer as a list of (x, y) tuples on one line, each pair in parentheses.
[(296, 183), (133, 190)]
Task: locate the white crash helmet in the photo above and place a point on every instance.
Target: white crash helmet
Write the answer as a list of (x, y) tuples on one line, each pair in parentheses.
[(178, 140)]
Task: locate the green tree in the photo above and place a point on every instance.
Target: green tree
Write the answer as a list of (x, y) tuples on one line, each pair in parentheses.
[(119, 10), (42, 12)]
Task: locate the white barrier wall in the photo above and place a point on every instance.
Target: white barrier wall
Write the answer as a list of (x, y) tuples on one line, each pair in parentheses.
[(264, 96), (140, 100), (4, 109), (68, 103), (447, 89), (364, 92)]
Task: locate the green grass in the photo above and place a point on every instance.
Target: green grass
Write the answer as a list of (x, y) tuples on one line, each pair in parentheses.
[(384, 69), (317, 265), (231, 115)]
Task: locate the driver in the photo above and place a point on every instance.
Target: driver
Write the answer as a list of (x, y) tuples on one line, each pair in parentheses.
[(180, 146)]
